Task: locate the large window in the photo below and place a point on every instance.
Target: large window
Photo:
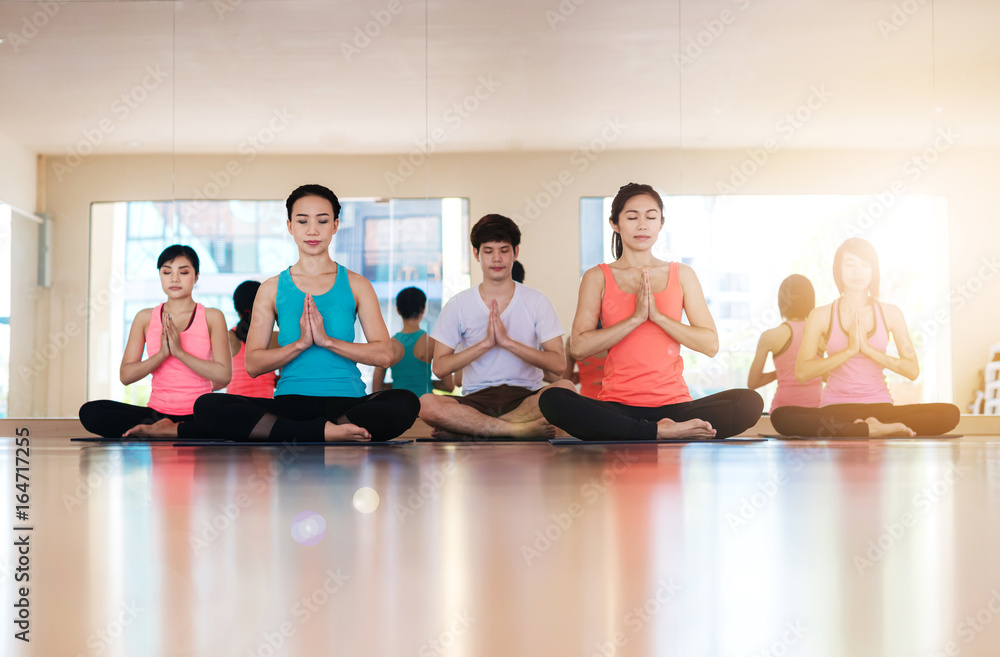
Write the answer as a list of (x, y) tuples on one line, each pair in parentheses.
[(394, 243), (742, 247)]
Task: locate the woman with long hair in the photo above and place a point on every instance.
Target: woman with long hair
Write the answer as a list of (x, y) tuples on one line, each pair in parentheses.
[(856, 329)]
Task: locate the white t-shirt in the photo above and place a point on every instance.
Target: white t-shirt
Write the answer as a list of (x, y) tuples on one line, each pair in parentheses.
[(529, 318)]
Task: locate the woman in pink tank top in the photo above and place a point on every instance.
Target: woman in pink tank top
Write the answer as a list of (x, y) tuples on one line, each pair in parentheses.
[(187, 353), (856, 329), (242, 383), (638, 300), (796, 299)]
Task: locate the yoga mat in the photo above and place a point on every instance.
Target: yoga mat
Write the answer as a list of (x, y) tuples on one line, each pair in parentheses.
[(775, 436), (124, 440), (467, 440), (666, 441), (288, 443)]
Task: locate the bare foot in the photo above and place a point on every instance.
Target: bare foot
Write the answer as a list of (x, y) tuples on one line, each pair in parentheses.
[(877, 429), (696, 429), (165, 428), (539, 428), (346, 431)]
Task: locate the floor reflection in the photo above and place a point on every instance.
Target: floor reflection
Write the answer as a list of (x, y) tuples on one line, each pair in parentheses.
[(860, 548)]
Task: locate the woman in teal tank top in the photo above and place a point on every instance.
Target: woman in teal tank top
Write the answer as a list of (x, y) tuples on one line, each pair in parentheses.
[(320, 395), (412, 350)]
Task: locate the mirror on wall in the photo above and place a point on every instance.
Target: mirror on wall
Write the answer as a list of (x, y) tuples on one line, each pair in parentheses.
[(552, 102)]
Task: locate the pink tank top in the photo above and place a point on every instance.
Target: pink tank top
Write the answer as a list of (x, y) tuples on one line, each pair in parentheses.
[(790, 391), (175, 387), (243, 384), (859, 380), (645, 368)]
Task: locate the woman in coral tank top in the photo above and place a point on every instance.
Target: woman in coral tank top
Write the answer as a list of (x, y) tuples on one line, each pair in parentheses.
[(638, 301), (856, 329), (242, 383), (186, 352)]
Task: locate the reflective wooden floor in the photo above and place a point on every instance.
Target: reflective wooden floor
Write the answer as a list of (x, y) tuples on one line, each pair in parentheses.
[(773, 548)]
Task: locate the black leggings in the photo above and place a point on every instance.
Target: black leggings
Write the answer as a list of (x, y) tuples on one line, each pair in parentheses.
[(385, 414), (838, 420), (111, 419), (729, 412)]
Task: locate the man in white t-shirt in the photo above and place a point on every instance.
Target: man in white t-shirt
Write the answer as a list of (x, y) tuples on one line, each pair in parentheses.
[(502, 335)]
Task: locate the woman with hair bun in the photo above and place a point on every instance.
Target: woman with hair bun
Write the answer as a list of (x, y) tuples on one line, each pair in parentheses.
[(320, 395), (632, 308)]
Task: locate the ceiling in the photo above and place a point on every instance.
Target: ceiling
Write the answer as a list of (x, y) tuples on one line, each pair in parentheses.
[(297, 76)]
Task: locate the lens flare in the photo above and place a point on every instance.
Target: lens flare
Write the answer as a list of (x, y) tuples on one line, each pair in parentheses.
[(308, 528), (366, 500)]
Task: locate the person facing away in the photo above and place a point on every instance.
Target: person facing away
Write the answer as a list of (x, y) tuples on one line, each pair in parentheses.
[(588, 373), (796, 299), (517, 272), (186, 352), (242, 383), (856, 329), (503, 335), (632, 308), (320, 394), (412, 349)]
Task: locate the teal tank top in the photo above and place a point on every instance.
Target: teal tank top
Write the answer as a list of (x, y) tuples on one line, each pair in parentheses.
[(411, 373), (318, 372)]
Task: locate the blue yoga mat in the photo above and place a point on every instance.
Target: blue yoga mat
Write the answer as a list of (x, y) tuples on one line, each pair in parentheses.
[(124, 441), (574, 442), (287, 443)]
